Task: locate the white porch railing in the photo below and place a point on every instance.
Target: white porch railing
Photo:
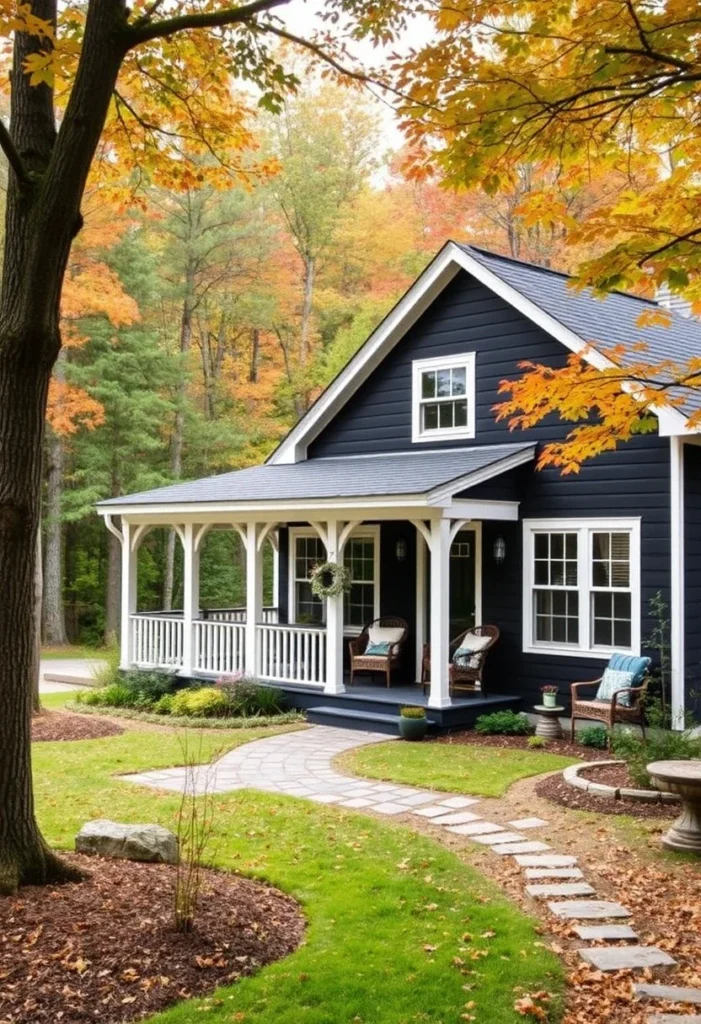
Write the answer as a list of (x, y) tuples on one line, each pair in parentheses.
[(292, 654), (157, 641), (237, 615), (219, 646)]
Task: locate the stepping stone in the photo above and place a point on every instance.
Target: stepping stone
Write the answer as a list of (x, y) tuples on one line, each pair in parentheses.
[(674, 1018), (459, 801), (527, 847), (562, 889), (358, 801), (324, 798), (548, 860), (594, 910), (554, 873), (456, 818), (389, 808), (671, 993), (478, 828), (431, 812), (606, 932), (417, 798), (495, 838), (621, 958), (528, 823)]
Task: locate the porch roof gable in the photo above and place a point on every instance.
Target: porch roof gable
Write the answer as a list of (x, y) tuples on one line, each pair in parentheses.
[(432, 476)]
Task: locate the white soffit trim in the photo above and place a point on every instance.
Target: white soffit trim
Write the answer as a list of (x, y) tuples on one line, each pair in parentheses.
[(451, 259)]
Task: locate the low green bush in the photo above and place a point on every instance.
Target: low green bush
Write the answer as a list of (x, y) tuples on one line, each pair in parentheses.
[(595, 736), (536, 742), (149, 685), (115, 695), (658, 745), (503, 723), (164, 705), (412, 712), (205, 702), (247, 697)]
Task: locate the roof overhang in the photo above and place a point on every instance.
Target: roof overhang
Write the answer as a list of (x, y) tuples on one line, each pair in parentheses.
[(439, 273)]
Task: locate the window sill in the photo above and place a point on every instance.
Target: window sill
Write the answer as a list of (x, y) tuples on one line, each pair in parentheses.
[(444, 435), (579, 652)]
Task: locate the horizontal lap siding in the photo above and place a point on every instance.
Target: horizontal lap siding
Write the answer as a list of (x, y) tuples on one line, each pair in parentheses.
[(692, 574), (633, 481)]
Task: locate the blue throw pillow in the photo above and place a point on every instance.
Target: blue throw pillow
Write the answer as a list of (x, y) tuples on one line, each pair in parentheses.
[(465, 657), (612, 680), (378, 650)]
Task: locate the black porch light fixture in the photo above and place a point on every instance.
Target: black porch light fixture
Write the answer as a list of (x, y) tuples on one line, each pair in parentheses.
[(499, 550), (400, 549)]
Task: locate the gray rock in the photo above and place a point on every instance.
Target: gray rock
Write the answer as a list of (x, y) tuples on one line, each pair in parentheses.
[(621, 958), (151, 843), (671, 993), (592, 910), (605, 932), (674, 1018), (525, 847), (644, 796), (548, 889), (600, 790)]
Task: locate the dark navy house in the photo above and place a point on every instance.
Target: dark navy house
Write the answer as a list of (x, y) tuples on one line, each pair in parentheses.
[(401, 472)]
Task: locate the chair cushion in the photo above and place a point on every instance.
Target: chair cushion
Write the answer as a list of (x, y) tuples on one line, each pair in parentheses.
[(630, 663), (385, 635), (467, 654), (612, 680), (379, 650)]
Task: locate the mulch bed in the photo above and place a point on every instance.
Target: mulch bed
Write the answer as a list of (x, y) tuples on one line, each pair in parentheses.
[(554, 787), (105, 949), (562, 746), (60, 725), (613, 775)]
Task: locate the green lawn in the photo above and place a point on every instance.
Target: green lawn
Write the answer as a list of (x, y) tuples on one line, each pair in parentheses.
[(73, 651), (388, 911), (482, 771), (50, 701)]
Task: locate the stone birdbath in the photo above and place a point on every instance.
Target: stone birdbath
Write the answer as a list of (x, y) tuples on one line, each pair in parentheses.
[(684, 779)]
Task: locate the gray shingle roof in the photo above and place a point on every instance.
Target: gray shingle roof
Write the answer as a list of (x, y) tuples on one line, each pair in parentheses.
[(604, 322), (352, 477)]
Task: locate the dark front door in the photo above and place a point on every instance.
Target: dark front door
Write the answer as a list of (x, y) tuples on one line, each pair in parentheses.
[(462, 583)]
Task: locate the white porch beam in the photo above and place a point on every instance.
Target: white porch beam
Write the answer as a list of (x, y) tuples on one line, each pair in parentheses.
[(129, 581), (254, 597), (191, 595), (439, 696), (461, 508), (334, 614)]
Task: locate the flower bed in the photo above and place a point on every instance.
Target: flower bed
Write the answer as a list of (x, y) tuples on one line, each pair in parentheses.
[(254, 722)]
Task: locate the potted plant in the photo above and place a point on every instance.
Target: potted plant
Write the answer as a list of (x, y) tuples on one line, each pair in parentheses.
[(549, 696), (412, 723)]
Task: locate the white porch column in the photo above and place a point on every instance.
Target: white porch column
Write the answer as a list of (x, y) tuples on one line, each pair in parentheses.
[(129, 579), (420, 601), (439, 696), (254, 597), (334, 617), (191, 597), (678, 670)]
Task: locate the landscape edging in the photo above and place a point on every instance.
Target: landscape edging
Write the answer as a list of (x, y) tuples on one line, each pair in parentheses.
[(599, 789)]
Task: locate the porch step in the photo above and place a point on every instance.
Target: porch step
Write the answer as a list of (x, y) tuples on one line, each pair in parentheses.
[(348, 718)]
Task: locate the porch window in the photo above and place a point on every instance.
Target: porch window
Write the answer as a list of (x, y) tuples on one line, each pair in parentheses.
[(444, 398), (359, 604), (308, 552), (362, 559), (582, 586)]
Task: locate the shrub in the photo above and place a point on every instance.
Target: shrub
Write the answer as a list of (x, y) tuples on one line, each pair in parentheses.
[(205, 702), (115, 695), (412, 712), (536, 742), (503, 723), (248, 698), (658, 745), (164, 704), (108, 673), (595, 736), (151, 685)]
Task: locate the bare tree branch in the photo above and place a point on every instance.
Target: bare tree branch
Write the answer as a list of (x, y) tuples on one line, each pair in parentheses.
[(13, 157), (208, 19)]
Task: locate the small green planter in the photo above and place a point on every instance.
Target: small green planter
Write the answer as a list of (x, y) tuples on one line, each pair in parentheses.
[(413, 724)]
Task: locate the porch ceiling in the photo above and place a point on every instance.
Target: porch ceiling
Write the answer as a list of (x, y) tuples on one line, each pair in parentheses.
[(422, 478)]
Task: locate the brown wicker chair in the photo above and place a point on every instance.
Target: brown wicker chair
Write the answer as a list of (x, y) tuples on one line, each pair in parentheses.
[(360, 662), (609, 712), (462, 677)]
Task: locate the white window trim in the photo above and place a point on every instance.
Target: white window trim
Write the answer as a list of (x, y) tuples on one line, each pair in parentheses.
[(309, 531), (584, 527), (419, 366)]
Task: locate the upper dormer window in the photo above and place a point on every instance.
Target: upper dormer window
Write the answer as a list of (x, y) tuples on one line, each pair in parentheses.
[(444, 398)]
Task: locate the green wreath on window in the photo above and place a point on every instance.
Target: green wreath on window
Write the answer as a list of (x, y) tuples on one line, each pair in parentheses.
[(330, 580)]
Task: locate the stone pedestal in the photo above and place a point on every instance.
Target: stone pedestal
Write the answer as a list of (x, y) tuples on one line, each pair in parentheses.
[(684, 779), (548, 724)]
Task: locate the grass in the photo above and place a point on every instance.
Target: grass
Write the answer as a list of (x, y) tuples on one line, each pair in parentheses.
[(72, 651), (458, 768), (51, 701), (388, 911)]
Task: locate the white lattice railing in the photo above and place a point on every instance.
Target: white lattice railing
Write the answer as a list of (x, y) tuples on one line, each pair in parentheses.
[(219, 646), (292, 654), (157, 641)]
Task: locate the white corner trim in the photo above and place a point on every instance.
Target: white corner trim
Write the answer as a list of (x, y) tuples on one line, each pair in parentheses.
[(466, 360), (677, 637)]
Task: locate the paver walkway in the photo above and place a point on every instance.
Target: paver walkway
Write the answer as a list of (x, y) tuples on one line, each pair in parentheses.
[(300, 764)]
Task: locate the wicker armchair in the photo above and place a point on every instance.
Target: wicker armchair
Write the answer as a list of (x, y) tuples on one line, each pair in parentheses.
[(462, 677), (609, 712), (361, 662)]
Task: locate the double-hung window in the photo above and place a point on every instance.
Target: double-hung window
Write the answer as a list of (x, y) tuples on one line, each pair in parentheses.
[(443, 398), (361, 557), (582, 586)]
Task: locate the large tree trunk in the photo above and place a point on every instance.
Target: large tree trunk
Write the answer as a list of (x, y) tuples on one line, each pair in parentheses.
[(38, 600), (54, 619)]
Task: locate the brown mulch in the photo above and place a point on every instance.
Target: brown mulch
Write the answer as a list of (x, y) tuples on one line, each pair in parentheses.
[(61, 725), (106, 950), (554, 787), (562, 746), (613, 775)]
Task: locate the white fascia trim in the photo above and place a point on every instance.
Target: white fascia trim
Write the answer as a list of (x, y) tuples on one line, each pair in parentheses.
[(439, 273), (677, 637), (445, 492), (434, 279)]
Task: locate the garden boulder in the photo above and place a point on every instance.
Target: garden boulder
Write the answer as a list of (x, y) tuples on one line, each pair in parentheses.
[(130, 842)]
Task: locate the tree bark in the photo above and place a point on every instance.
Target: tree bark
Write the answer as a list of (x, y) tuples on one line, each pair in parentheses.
[(38, 601), (54, 619)]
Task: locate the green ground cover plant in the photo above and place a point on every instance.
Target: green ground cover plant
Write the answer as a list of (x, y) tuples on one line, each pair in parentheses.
[(503, 723), (595, 736), (658, 745)]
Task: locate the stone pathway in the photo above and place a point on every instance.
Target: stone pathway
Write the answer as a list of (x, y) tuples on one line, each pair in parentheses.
[(300, 764)]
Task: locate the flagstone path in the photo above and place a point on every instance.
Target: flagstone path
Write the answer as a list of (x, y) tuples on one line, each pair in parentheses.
[(300, 764)]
